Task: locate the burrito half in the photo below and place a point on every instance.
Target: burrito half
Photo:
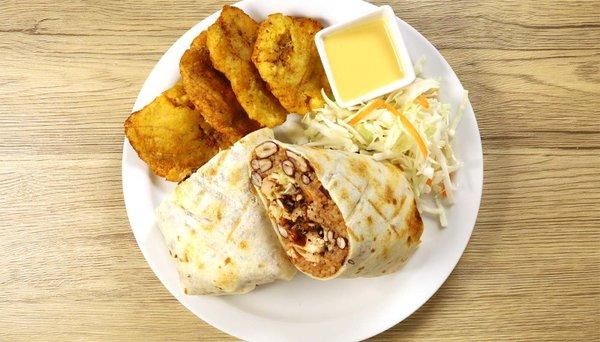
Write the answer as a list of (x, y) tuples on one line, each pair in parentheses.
[(337, 214), (217, 230)]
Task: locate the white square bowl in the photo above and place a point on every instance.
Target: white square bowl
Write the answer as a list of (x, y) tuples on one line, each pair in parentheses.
[(387, 13)]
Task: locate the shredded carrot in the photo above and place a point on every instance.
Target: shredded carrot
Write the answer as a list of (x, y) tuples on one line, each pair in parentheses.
[(409, 127), (366, 111), (423, 101), (443, 192), (429, 182)]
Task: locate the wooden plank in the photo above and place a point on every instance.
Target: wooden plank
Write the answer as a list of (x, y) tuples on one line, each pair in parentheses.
[(71, 269)]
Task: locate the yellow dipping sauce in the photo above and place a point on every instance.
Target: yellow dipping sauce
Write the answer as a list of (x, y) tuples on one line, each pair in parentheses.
[(362, 58)]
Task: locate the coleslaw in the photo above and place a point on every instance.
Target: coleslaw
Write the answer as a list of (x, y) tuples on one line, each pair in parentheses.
[(410, 128)]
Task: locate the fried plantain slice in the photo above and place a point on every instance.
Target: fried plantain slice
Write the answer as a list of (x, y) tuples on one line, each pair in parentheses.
[(230, 42), (211, 94), (287, 59), (170, 136)]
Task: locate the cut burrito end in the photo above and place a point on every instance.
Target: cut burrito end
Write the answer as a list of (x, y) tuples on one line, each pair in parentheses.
[(309, 224), (218, 232), (336, 214)]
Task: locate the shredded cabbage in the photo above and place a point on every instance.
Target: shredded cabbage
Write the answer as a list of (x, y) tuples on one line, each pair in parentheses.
[(382, 135)]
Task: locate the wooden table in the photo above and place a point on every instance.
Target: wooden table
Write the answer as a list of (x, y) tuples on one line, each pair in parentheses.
[(71, 270)]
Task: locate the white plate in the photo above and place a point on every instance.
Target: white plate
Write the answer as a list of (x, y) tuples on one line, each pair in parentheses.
[(305, 309)]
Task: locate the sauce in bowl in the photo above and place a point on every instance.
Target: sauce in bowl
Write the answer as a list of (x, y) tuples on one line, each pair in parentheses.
[(362, 58), (365, 58)]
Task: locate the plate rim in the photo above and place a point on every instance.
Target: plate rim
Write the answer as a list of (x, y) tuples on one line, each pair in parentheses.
[(382, 325)]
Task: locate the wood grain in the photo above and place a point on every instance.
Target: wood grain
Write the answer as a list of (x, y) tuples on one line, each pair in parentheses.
[(71, 270)]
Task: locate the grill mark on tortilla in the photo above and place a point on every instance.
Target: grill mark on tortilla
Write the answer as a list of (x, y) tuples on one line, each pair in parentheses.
[(227, 278), (393, 168), (401, 209), (235, 176), (398, 209), (385, 254), (353, 234), (388, 195), (349, 180), (334, 183), (414, 223), (192, 215), (219, 214), (359, 168), (344, 194), (213, 216), (389, 226), (353, 210), (236, 224), (211, 172)]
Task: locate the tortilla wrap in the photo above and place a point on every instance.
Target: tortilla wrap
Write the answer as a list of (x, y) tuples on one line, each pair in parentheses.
[(217, 230), (345, 214)]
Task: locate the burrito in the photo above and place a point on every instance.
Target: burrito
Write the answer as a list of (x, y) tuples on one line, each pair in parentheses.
[(336, 214), (217, 230)]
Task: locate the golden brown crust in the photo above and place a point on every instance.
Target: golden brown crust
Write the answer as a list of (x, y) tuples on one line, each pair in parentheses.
[(170, 136), (230, 41), (286, 57), (414, 224), (180, 98), (211, 94)]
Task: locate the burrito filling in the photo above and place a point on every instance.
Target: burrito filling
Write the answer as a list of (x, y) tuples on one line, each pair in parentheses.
[(311, 226)]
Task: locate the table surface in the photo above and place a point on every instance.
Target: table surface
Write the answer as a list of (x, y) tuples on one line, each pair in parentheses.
[(70, 268)]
